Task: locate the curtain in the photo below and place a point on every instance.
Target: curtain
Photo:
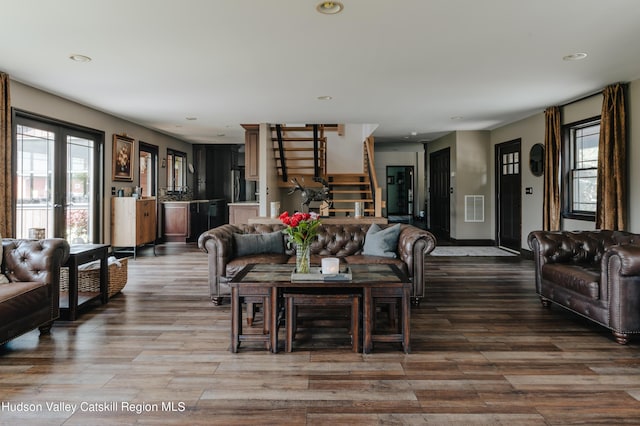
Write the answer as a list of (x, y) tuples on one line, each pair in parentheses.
[(612, 158), (6, 181), (552, 146)]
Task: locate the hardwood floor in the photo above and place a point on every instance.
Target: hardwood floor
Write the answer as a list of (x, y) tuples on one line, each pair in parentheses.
[(484, 351)]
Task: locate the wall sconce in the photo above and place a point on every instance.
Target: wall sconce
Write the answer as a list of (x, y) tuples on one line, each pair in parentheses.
[(164, 163)]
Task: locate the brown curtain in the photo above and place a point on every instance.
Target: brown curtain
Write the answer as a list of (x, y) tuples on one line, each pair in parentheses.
[(612, 159), (552, 146), (6, 181)]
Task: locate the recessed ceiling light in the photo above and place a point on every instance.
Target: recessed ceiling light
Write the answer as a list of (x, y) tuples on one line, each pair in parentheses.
[(414, 133), (329, 7), (456, 117), (80, 58), (325, 98), (574, 56), (191, 118)]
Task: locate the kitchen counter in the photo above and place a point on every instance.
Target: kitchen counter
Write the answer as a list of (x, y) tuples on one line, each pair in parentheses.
[(242, 212), (244, 203)]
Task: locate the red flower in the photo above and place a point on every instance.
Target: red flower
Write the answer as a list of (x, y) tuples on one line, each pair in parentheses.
[(301, 227)]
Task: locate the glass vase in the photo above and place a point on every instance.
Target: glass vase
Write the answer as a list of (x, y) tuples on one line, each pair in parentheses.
[(303, 258)]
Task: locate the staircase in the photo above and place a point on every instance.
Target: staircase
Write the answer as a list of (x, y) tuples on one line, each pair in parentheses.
[(346, 189), (301, 154)]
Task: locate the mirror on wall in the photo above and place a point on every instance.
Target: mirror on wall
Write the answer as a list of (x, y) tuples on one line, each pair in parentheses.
[(536, 159)]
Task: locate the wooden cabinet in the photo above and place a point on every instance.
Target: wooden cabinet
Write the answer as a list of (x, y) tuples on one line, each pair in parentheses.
[(251, 141), (133, 222), (240, 213), (176, 221)]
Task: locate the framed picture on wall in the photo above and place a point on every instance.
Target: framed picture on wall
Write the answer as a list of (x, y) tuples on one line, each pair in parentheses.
[(123, 154)]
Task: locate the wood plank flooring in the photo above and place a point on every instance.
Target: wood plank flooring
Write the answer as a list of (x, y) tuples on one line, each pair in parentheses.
[(484, 351)]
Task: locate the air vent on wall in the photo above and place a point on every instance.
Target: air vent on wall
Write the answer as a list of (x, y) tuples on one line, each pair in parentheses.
[(474, 208)]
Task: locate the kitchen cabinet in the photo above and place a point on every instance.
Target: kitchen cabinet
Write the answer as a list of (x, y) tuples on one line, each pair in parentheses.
[(251, 157), (240, 213), (133, 223), (185, 221)]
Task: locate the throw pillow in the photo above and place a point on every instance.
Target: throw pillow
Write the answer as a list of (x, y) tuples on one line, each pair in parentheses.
[(246, 244), (381, 242), (3, 278)]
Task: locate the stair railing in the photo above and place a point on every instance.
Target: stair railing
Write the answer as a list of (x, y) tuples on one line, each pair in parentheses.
[(373, 179)]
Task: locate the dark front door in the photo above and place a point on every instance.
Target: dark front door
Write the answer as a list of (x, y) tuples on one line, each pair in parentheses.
[(509, 198), (440, 193)]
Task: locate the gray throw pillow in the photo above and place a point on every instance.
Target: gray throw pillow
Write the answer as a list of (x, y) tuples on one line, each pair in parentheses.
[(381, 242), (246, 244)]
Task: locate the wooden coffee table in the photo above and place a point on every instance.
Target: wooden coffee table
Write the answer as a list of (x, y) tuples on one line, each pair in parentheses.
[(377, 281)]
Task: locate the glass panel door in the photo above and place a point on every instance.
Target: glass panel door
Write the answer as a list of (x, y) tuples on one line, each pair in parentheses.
[(79, 208), (57, 182), (35, 181)]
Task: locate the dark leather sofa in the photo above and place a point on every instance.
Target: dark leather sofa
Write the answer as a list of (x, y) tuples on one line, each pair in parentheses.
[(32, 297), (335, 240), (595, 274)]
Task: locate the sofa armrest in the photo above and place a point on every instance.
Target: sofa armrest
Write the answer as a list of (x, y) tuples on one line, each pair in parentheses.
[(629, 259), (414, 244), (218, 244), (37, 261), (620, 271)]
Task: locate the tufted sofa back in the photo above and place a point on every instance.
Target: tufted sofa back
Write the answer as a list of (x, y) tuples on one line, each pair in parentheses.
[(581, 247), (31, 260)]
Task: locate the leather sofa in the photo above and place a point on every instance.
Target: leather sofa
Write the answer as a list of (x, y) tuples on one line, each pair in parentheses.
[(31, 298), (344, 241), (595, 274)]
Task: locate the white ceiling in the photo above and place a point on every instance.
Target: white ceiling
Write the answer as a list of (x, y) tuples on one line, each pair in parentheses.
[(406, 65)]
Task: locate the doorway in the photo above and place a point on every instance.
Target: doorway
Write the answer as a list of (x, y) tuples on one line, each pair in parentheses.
[(400, 193), (57, 169), (440, 193), (148, 169), (509, 196)]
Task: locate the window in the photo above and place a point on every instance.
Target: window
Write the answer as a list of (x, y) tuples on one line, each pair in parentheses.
[(176, 171), (580, 167)]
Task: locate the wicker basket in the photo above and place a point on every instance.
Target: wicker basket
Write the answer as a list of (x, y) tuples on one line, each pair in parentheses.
[(89, 280)]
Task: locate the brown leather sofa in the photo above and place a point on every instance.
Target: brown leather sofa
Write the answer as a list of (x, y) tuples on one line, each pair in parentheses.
[(336, 240), (32, 297), (595, 274)]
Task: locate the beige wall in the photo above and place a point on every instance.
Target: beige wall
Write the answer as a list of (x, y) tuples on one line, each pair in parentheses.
[(38, 102), (399, 154)]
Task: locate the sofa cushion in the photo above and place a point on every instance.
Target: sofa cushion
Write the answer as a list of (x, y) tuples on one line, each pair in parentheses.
[(235, 265), (19, 298), (381, 242), (250, 244), (581, 279)]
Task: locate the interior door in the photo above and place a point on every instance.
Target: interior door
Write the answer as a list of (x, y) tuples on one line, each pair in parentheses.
[(400, 190), (440, 193), (509, 195), (56, 180)]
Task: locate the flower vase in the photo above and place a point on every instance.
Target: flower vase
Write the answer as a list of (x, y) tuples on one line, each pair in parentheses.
[(303, 258)]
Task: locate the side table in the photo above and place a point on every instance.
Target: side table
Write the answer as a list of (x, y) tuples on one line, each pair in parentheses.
[(78, 255)]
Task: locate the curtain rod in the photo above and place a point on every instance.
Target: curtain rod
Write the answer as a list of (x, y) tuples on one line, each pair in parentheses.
[(599, 92)]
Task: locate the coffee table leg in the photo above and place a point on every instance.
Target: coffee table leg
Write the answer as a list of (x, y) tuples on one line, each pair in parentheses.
[(367, 321), (406, 321), (273, 329), (235, 319)]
